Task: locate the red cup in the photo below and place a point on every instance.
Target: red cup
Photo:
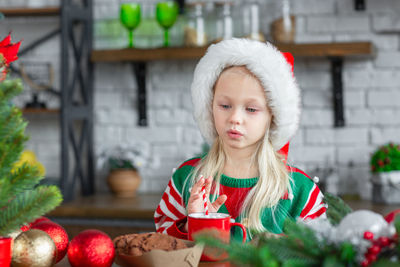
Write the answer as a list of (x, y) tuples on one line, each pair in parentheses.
[(5, 251), (217, 225)]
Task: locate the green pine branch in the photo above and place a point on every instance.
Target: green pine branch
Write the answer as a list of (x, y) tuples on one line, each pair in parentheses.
[(337, 208), (242, 254), (300, 246), (24, 178), (10, 89), (26, 207)]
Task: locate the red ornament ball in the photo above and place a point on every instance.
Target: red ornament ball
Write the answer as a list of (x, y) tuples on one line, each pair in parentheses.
[(28, 226), (57, 233), (38, 220), (91, 248)]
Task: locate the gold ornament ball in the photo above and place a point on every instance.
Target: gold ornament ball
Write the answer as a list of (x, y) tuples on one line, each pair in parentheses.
[(15, 234), (33, 248)]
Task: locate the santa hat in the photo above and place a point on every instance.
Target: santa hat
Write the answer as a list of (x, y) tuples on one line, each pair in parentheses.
[(274, 72)]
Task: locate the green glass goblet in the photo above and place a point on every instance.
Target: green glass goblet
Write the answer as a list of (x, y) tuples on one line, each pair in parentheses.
[(130, 15), (166, 14)]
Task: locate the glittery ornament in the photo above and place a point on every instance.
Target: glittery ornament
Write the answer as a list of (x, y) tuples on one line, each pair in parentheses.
[(57, 233), (91, 248), (15, 233), (33, 248), (38, 220)]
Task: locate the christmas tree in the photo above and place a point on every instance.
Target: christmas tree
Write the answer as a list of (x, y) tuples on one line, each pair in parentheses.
[(22, 199)]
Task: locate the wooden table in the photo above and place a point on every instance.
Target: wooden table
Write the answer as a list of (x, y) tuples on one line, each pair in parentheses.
[(64, 263), (118, 216)]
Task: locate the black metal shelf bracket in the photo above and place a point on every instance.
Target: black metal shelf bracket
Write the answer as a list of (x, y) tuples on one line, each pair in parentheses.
[(359, 5), (139, 69), (337, 90)]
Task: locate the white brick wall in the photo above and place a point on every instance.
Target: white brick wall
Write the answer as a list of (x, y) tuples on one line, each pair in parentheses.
[(371, 94)]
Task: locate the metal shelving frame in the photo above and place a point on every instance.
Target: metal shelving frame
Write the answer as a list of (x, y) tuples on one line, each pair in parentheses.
[(77, 155)]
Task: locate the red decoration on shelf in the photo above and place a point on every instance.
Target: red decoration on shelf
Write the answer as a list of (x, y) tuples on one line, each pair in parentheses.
[(91, 248), (57, 233), (368, 235)]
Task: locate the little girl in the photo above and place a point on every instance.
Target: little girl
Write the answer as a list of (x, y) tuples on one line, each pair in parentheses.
[(247, 104)]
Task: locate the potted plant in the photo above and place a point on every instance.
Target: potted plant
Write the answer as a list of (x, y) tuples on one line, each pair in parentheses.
[(385, 168), (123, 163)]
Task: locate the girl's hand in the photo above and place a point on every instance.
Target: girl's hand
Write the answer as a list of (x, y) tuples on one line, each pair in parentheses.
[(196, 204)]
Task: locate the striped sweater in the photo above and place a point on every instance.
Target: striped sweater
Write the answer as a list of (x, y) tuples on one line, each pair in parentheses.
[(305, 203)]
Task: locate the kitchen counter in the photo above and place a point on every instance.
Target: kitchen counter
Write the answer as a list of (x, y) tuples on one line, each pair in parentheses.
[(117, 216), (142, 206)]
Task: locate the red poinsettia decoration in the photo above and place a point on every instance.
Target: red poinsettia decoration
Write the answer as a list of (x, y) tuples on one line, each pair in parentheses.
[(8, 54)]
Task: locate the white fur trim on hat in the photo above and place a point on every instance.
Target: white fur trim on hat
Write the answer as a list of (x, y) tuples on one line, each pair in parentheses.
[(269, 65)]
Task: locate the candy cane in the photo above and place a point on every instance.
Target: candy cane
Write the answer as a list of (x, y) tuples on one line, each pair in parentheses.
[(205, 200)]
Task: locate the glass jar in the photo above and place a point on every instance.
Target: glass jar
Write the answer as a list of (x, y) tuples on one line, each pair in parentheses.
[(251, 21), (224, 21), (283, 28), (195, 30)]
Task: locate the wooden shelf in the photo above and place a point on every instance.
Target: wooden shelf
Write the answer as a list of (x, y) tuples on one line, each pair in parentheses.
[(329, 49), (298, 50), (31, 12), (147, 54), (39, 110)]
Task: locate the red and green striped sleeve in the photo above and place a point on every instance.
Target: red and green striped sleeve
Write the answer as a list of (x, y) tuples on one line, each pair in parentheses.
[(308, 198), (171, 211)]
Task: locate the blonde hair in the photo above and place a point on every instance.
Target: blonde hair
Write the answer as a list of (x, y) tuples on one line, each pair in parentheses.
[(273, 183)]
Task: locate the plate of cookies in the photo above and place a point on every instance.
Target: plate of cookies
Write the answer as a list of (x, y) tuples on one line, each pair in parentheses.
[(156, 250)]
